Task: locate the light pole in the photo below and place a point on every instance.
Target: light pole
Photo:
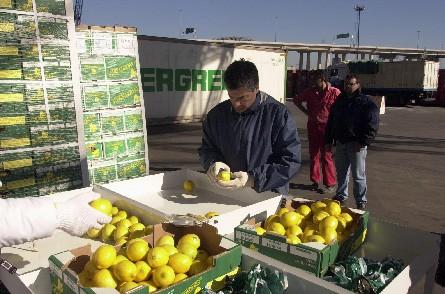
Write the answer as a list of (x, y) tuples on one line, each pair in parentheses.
[(418, 38), (275, 27), (359, 9)]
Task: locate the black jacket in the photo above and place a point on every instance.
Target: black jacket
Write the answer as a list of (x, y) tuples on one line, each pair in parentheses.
[(262, 141), (352, 119)]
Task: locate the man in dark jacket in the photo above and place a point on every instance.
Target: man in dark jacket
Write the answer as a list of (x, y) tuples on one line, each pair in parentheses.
[(251, 134), (352, 126)]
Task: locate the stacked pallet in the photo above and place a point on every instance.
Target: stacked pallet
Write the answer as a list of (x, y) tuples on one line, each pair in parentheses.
[(113, 112), (39, 148)]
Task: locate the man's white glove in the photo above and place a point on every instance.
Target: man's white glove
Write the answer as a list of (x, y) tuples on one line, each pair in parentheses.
[(214, 170), (76, 216), (241, 179)]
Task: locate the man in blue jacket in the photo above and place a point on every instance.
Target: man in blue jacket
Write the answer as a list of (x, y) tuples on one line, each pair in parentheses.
[(352, 126), (251, 135)]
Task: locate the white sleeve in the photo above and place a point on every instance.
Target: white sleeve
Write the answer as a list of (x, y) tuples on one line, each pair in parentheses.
[(26, 219)]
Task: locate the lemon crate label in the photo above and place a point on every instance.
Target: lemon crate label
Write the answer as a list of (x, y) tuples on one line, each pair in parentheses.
[(126, 44), (9, 51), (121, 68), (15, 143), (94, 151), (133, 120), (115, 149), (247, 237), (56, 7), (92, 127), (12, 120), (95, 97), (307, 254), (13, 109), (125, 95), (132, 169), (112, 122), (274, 244), (4, 4), (11, 97), (57, 52), (24, 5), (104, 174), (53, 28), (92, 69), (136, 144), (15, 164)]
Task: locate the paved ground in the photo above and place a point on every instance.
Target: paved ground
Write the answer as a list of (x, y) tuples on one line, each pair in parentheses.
[(405, 166)]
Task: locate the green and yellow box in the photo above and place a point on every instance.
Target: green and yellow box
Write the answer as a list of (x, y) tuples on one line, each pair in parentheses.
[(65, 266), (312, 257), (92, 68), (122, 95), (132, 169), (95, 97), (53, 28), (120, 68), (112, 122), (56, 7)]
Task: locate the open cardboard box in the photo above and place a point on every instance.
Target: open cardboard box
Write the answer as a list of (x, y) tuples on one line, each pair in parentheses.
[(31, 259), (312, 257), (164, 193), (65, 266)]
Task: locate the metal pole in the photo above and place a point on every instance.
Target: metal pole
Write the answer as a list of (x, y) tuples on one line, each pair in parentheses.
[(418, 39)]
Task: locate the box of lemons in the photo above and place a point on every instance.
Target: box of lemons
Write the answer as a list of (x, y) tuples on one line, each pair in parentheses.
[(171, 259), (305, 233)]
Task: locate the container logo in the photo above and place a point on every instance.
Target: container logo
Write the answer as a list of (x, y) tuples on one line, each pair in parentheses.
[(169, 80)]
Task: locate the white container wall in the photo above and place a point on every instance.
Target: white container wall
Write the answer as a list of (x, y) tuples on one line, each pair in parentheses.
[(183, 79)]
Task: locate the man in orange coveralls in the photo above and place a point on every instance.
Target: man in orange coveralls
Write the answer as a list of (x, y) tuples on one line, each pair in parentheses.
[(319, 100)]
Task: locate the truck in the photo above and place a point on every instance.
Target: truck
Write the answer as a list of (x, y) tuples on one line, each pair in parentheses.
[(401, 82)]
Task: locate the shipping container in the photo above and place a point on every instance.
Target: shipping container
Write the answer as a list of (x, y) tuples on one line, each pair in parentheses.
[(183, 79)]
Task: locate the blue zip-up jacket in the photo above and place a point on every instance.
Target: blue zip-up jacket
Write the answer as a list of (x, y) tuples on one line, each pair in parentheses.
[(352, 119), (262, 141)]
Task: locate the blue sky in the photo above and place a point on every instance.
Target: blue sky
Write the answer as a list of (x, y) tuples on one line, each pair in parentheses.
[(384, 23)]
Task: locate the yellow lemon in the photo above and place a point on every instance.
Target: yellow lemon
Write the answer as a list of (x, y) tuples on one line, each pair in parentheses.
[(260, 231), (316, 238), (143, 271), (165, 240), (104, 256), (328, 222), (191, 239), (293, 240), (133, 220), (179, 278), (281, 211), (224, 175), (211, 214), (274, 218), (333, 208), (107, 232), (347, 217), (342, 224), (170, 249), (121, 231), (103, 205), (93, 233), (136, 227), (125, 271), (180, 263), (157, 257), (304, 210), (290, 218), (125, 222), (277, 228), (122, 214), (119, 258), (116, 219), (294, 230), (307, 233), (103, 279), (164, 276), (329, 235), (137, 250), (114, 210), (187, 249), (319, 216), (127, 286), (317, 206), (188, 186)]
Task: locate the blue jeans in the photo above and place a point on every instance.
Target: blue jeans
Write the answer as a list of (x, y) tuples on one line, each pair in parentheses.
[(347, 159)]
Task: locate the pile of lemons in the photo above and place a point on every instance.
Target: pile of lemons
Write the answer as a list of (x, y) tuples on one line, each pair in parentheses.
[(137, 264), (122, 226), (322, 222)]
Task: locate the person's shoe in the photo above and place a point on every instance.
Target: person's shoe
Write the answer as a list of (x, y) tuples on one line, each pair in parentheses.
[(361, 206), (339, 199), (327, 190), (314, 187)]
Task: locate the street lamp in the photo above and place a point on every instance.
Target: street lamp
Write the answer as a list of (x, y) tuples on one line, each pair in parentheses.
[(359, 9), (418, 38)]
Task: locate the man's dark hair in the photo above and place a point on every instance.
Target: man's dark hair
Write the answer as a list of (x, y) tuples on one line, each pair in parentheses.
[(352, 76), (241, 73), (319, 76)]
